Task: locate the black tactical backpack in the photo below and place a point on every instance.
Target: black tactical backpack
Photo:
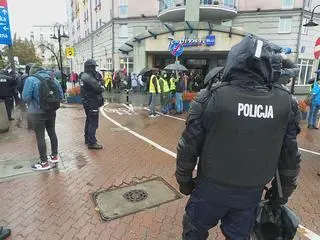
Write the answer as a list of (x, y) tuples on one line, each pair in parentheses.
[(49, 96)]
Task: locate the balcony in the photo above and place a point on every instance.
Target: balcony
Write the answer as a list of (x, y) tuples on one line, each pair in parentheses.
[(210, 10)]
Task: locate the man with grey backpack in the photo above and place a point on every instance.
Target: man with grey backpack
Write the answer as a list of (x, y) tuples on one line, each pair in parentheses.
[(43, 95)]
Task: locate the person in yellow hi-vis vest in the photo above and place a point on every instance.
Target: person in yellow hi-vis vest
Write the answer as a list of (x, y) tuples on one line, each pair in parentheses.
[(108, 81), (172, 94), (165, 91), (154, 89)]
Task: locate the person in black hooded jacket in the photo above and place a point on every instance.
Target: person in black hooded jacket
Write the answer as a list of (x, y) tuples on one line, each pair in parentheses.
[(92, 99), (242, 130)]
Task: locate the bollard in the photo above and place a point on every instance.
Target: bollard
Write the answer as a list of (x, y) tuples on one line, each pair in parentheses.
[(127, 90), (4, 121)]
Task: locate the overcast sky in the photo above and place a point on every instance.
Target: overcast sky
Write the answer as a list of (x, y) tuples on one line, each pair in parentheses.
[(26, 13)]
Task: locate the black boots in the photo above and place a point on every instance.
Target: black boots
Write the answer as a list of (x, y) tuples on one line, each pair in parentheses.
[(95, 146)]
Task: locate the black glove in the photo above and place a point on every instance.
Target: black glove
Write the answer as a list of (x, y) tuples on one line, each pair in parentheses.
[(186, 188), (273, 197)]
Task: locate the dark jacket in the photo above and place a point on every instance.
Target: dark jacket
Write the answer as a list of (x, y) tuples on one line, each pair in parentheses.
[(243, 71), (91, 91), (7, 85)]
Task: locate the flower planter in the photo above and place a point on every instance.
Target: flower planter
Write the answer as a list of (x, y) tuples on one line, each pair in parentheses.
[(74, 99)]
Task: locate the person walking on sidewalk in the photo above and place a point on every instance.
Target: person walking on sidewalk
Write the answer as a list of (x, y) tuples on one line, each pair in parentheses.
[(180, 88), (108, 82), (91, 93), (23, 106), (260, 121), (172, 92), (315, 105), (43, 95), (154, 89), (165, 90)]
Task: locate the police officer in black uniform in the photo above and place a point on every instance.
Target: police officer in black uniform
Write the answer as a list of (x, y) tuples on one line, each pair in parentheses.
[(7, 91), (91, 93), (242, 130)]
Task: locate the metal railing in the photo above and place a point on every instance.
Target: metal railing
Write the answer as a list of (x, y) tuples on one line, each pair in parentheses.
[(167, 4)]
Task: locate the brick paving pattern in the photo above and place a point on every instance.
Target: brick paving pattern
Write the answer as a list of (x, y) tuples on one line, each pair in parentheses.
[(58, 204)]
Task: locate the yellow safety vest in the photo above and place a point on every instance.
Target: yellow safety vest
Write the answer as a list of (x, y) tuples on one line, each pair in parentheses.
[(165, 85), (172, 84), (152, 88), (107, 80)]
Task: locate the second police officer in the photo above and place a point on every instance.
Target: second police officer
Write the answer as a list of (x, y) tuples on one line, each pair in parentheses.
[(242, 130), (92, 99)]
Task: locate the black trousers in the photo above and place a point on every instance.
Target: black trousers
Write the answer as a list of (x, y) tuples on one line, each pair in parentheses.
[(92, 124), (8, 101), (41, 123)]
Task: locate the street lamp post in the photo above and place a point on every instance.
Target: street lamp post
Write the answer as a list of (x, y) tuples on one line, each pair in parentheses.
[(53, 53), (59, 29), (311, 23)]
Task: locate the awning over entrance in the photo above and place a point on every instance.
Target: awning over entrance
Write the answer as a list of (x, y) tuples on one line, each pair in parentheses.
[(174, 29)]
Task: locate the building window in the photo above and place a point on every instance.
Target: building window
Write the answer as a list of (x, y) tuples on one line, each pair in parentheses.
[(305, 29), (123, 8), (229, 3), (109, 64), (287, 4), (306, 66), (98, 5), (126, 63), (123, 30), (285, 25), (308, 4)]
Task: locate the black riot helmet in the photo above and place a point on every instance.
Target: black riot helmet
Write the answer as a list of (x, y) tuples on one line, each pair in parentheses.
[(250, 57), (275, 222), (90, 66)]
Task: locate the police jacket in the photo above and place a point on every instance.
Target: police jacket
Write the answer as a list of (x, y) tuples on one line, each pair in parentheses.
[(242, 129), (7, 85), (91, 91)]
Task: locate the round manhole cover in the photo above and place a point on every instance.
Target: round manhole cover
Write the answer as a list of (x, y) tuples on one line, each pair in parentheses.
[(18, 167), (136, 195)]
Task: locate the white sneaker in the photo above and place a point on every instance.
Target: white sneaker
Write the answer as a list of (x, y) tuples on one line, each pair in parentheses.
[(41, 166), (53, 159)]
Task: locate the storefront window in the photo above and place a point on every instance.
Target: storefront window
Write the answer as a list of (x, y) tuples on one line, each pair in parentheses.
[(123, 8), (126, 63), (305, 72), (109, 64)]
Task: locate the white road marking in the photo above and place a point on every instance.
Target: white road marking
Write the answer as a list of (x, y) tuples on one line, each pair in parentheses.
[(308, 233), (309, 151), (120, 111), (302, 230), (168, 116), (156, 145)]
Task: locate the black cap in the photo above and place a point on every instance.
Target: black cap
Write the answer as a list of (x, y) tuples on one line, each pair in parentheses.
[(90, 62)]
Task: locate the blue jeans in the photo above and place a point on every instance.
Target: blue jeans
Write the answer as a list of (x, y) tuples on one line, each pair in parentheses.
[(209, 203), (171, 98), (179, 102), (313, 115)]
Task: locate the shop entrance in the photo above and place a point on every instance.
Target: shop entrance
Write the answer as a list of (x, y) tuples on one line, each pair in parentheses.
[(198, 64)]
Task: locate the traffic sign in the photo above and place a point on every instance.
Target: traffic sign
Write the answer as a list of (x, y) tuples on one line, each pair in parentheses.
[(5, 32), (176, 49), (70, 52), (317, 49)]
